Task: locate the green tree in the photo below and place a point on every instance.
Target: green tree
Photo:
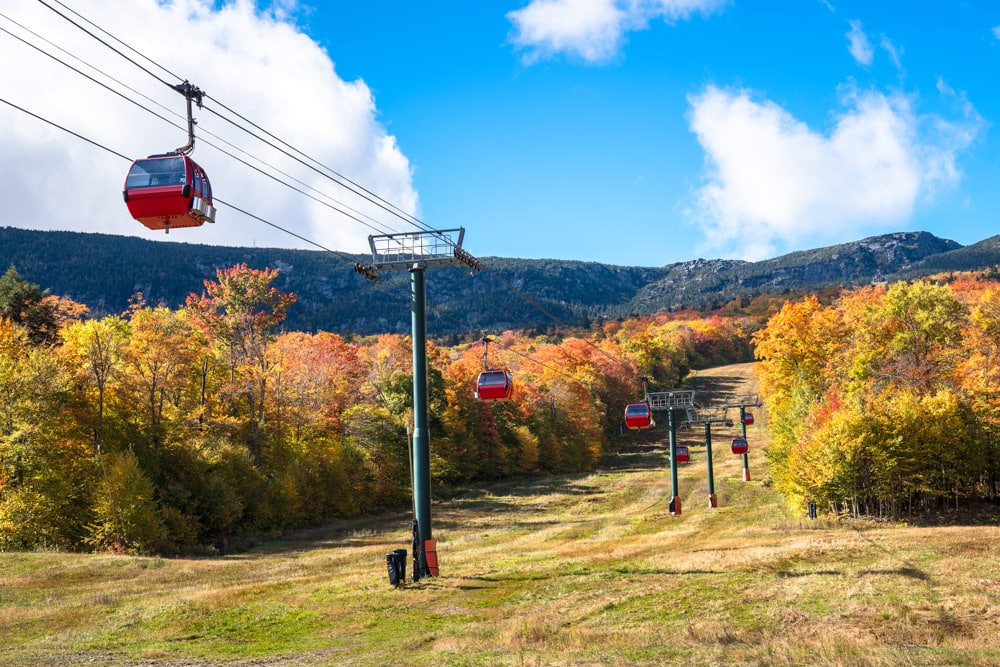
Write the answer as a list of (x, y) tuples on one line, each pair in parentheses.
[(127, 516), (26, 304)]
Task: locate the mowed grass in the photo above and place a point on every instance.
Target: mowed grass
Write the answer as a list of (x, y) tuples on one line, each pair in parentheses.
[(564, 570)]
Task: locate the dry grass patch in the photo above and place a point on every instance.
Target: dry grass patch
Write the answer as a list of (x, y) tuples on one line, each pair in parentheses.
[(568, 570)]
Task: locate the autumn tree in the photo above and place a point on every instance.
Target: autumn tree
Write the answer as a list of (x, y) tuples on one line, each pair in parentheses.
[(95, 348), (909, 338), (874, 401), (46, 472), (240, 312), (126, 513), (978, 374), (159, 356)]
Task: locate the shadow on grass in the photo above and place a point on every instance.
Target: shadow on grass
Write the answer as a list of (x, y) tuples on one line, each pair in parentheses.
[(715, 389), (911, 572), (625, 571), (632, 452)]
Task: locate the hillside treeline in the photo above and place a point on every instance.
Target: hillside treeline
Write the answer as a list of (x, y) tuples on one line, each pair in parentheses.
[(165, 430), (886, 402)]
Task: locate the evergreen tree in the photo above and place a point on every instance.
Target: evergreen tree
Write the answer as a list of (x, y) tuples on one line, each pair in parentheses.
[(24, 303)]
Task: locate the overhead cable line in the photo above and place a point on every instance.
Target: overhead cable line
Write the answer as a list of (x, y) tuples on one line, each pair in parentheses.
[(300, 191), (546, 366), (77, 25), (355, 188), (64, 129), (553, 317), (340, 254), (347, 211), (525, 326), (289, 176), (364, 192), (87, 76), (523, 356), (80, 60)]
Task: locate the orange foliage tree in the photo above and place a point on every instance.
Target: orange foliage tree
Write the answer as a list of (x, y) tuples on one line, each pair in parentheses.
[(213, 423), (882, 403)]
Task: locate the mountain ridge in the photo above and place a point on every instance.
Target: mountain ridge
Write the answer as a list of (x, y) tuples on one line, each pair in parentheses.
[(104, 271)]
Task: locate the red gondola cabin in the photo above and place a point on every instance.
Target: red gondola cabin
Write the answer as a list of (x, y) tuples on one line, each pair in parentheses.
[(166, 191), (682, 453), (740, 446), (638, 416), (748, 419), (494, 385)]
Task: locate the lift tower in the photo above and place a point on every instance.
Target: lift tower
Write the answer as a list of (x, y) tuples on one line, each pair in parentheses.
[(743, 402), (708, 417), (676, 401), (415, 252)]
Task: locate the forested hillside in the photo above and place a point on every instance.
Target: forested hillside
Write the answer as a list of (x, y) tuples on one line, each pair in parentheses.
[(182, 429), (104, 271), (885, 403), (171, 428)]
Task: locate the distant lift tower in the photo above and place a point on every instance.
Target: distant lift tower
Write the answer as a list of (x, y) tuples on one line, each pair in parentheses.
[(414, 252), (743, 402), (708, 417), (676, 401)]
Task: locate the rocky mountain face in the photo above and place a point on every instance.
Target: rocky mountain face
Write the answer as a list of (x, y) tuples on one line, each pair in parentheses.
[(702, 284), (104, 271)]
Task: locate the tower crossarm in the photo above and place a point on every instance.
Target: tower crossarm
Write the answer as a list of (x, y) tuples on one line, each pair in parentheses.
[(671, 400), (742, 401)]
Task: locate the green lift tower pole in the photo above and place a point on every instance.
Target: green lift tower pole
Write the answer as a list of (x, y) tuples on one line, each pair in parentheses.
[(708, 417), (713, 501), (743, 402), (746, 455), (678, 399), (415, 252), (421, 442), (675, 499)]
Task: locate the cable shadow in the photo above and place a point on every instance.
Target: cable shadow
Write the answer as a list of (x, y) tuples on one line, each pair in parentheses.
[(911, 572)]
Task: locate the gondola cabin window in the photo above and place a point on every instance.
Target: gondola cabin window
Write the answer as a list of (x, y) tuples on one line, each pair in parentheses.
[(152, 173)]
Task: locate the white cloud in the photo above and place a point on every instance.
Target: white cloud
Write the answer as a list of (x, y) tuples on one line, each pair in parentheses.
[(996, 31), (773, 183), (858, 44), (592, 29), (256, 63), (893, 52)]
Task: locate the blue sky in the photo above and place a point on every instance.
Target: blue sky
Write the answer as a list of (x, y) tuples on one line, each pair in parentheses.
[(639, 132)]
